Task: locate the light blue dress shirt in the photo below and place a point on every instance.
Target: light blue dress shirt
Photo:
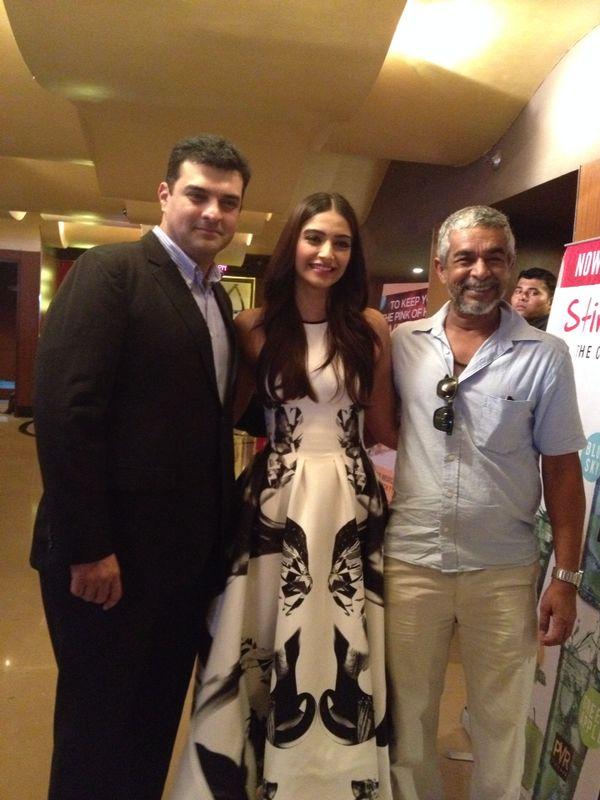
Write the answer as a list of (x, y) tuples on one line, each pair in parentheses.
[(468, 501), (202, 290)]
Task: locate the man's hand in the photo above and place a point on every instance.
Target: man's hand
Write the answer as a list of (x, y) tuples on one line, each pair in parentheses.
[(98, 582), (565, 502), (557, 613)]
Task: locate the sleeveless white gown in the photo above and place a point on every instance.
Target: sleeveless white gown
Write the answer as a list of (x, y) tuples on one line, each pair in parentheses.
[(291, 704)]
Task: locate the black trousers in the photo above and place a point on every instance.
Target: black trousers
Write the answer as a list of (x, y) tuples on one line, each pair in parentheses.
[(123, 674)]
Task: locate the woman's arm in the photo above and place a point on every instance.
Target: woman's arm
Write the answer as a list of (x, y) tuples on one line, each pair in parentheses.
[(380, 415), (250, 339)]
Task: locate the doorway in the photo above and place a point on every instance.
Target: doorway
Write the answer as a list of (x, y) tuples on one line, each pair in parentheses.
[(9, 274)]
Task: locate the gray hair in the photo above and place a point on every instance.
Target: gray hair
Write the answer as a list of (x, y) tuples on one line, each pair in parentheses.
[(473, 217)]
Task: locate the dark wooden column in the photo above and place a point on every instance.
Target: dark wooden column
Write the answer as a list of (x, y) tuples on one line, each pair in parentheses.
[(28, 322), (28, 315)]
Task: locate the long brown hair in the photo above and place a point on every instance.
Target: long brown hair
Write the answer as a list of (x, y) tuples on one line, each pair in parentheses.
[(351, 340)]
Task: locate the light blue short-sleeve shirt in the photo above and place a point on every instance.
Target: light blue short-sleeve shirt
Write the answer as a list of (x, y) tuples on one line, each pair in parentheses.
[(468, 501)]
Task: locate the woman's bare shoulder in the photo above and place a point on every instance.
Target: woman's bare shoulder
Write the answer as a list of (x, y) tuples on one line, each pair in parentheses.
[(248, 320), (377, 321), (250, 334)]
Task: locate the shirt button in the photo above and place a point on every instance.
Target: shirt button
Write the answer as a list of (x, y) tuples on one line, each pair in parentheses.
[(450, 457), (449, 493)]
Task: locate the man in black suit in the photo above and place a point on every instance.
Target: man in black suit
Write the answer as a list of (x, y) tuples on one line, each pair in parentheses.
[(133, 420)]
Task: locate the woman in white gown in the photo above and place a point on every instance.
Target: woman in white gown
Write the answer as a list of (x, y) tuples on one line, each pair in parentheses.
[(291, 703)]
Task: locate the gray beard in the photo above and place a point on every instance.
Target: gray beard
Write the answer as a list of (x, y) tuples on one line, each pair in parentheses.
[(475, 308), (472, 308)]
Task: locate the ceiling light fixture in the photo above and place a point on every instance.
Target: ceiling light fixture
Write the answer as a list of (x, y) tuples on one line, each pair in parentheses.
[(495, 159)]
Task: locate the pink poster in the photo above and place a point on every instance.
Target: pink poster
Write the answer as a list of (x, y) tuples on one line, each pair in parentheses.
[(401, 302)]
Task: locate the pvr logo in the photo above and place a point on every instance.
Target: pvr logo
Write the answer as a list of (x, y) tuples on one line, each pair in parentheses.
[(561, 757)]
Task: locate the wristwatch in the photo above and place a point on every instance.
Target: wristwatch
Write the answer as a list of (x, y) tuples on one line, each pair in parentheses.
[(567, 576)]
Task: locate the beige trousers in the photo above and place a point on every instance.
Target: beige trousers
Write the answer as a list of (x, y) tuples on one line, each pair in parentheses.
[(495, 614)]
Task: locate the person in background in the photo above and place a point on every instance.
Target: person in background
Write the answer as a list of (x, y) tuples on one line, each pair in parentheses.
[(484, 398), (133, 399), (292, 699), (532, 296)]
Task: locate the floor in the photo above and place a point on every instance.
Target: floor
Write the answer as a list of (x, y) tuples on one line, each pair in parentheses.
[(28, 672)]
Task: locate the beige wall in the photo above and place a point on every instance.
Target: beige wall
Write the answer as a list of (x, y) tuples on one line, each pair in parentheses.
[(556, 132), (20, 235), (539, 254)]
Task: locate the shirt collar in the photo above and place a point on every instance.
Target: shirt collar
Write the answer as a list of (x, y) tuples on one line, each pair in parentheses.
[(515, 328), (187, 266), (433, 324)]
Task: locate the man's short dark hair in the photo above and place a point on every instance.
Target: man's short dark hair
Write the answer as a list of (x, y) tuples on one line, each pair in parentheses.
[(215, 151), (537, 273)]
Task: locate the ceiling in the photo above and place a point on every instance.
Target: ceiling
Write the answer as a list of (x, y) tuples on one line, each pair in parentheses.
[(318, 94)]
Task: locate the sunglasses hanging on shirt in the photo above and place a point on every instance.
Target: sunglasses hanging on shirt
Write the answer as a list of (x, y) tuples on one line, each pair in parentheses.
[(443, 417)]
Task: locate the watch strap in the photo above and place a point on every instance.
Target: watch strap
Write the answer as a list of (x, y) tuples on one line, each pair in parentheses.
[(567, 576)]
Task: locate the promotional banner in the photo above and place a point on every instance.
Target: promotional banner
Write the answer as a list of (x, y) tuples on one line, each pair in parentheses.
[(563, 730), (400, 302)]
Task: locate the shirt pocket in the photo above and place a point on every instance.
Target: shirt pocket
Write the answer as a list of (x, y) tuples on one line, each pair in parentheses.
[(503, 425)]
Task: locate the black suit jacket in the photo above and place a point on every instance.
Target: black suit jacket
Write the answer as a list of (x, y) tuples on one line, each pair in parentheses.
[(128, 419)]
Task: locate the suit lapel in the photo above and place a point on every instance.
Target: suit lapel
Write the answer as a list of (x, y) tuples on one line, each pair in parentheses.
[(173, 285)]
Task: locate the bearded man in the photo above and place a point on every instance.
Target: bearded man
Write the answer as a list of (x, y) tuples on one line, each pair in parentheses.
[(486, 400)]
